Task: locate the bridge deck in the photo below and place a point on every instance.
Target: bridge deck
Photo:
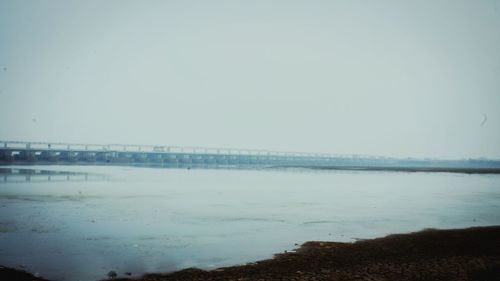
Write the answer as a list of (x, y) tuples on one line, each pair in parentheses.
[(18, 152)]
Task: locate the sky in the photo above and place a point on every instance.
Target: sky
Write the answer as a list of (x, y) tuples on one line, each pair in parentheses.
[(392, 78)]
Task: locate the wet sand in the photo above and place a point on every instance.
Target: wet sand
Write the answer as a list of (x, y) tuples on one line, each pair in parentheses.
[(463, 254)]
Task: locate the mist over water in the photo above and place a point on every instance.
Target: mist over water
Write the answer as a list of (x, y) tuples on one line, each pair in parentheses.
[(403, 79), (143, 219), (392, 78)]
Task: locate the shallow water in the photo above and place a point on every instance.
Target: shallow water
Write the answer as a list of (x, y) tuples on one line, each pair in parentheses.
[(82, 224)]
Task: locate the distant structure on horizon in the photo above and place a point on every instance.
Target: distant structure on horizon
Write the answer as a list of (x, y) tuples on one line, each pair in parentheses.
[(44, 153)]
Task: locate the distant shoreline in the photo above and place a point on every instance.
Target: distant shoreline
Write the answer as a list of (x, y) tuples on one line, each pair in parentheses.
[(408, 169), (458, 254)]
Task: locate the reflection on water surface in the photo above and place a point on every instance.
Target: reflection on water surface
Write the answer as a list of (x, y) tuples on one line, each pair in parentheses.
[(95, 219), (12, 175)]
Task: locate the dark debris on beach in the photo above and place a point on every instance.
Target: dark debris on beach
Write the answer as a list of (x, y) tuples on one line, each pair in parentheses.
[(469, 254), (429, 255)]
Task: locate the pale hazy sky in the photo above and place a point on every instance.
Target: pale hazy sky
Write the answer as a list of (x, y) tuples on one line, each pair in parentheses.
[(394, 78)]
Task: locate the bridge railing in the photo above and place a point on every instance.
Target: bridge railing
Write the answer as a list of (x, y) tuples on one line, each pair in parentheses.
[(137, 148)]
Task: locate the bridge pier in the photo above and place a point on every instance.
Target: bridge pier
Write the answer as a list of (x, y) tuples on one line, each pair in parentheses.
[(50, 156), (197, 161), (68, 156), (6, 155), (104, 157), (86, 156), (184, 160), (26, 155), (140, 158), (123, 157)]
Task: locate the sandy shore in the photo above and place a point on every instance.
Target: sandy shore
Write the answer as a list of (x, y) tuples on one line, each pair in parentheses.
[(463, 254)]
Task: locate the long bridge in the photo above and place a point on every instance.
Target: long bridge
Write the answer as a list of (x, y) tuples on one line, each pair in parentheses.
[(43, 153), (158, 155)]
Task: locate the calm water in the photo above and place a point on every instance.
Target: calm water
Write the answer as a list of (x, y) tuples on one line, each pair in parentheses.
[(81, 225)]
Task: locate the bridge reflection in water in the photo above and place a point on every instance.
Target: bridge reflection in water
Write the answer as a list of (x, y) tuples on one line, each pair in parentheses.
[(15, 175)]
